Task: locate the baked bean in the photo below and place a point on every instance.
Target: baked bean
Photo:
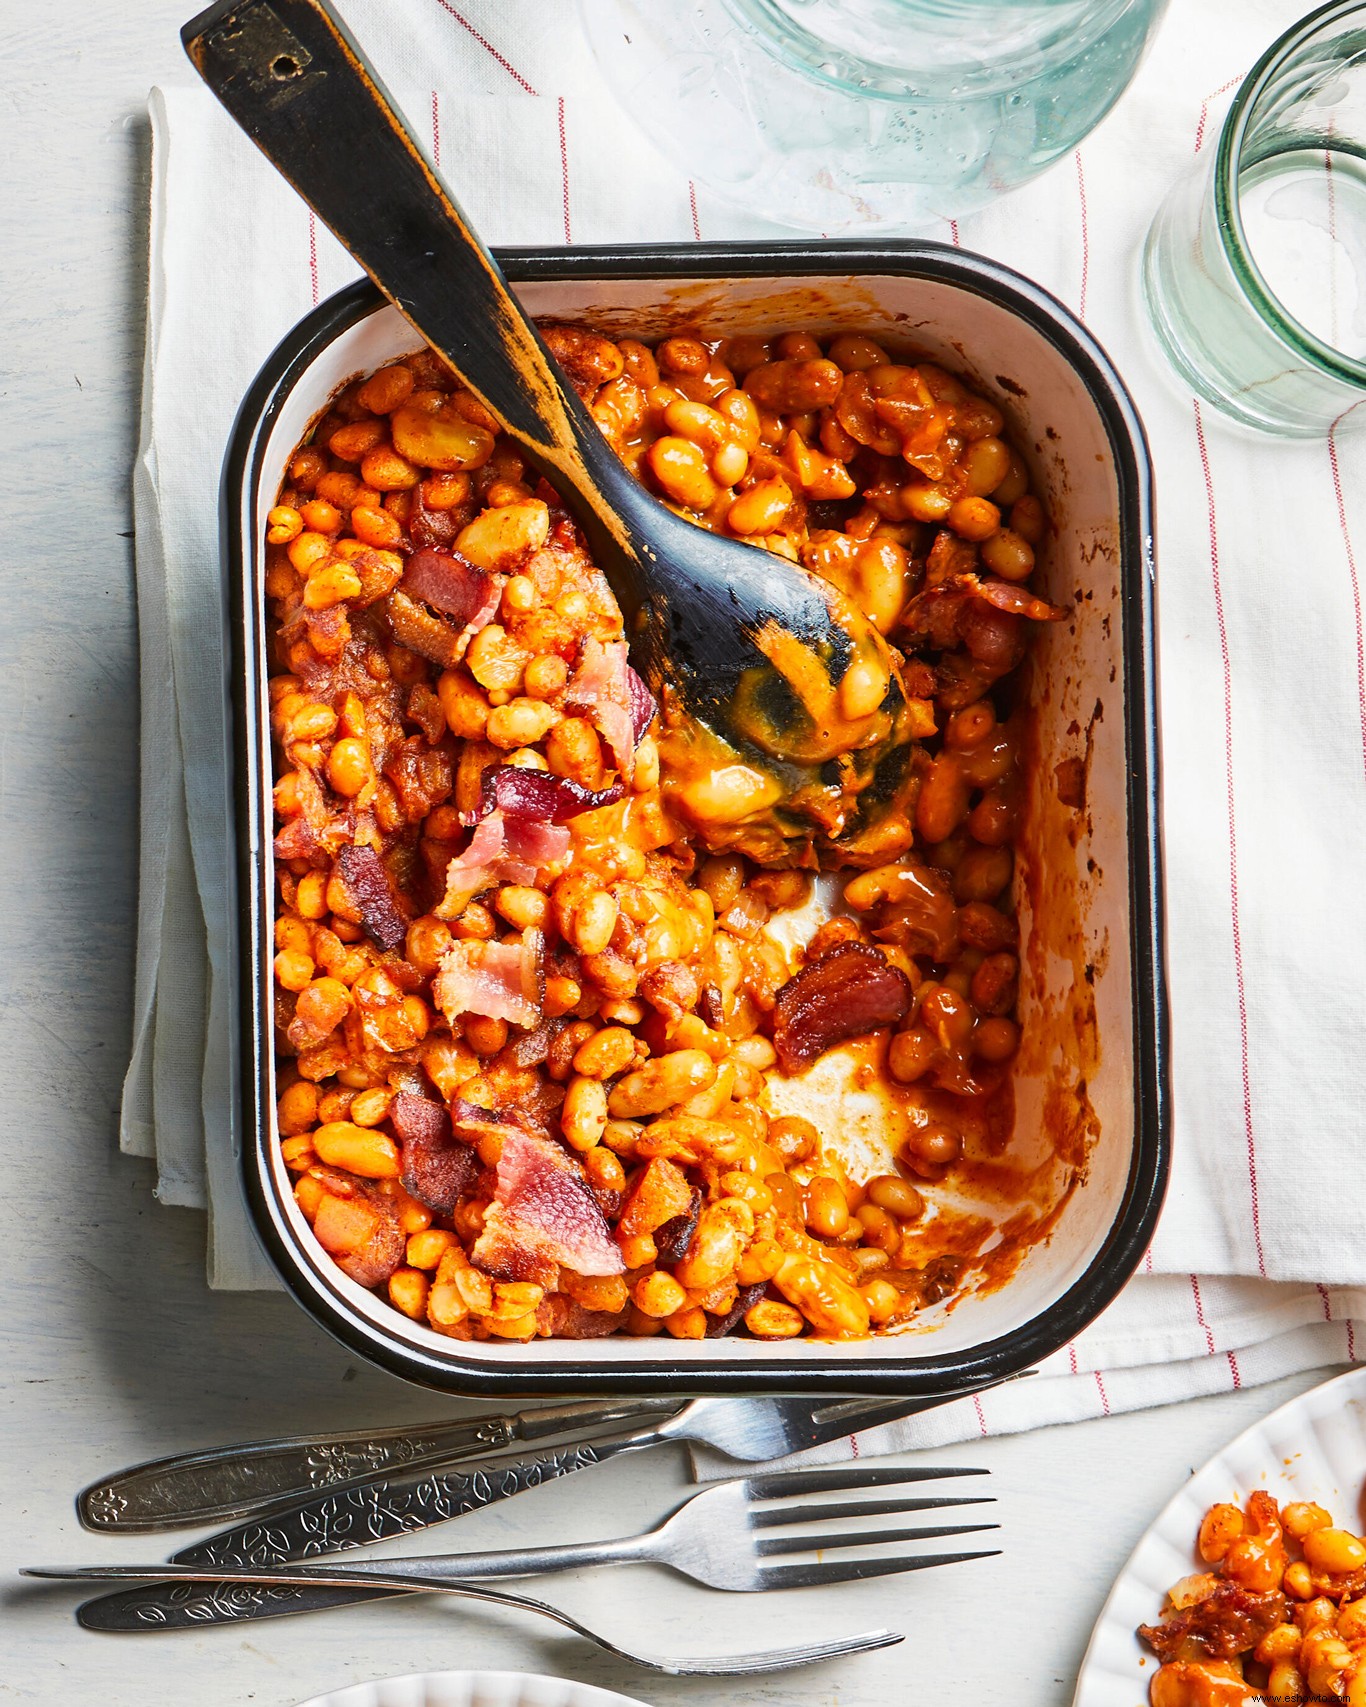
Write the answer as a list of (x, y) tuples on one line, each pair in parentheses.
[(942, 802), (897, 1196), (484, 1035), (985, 464), (789, 385), (994, 984), (932, 1148), (607, 1053), (770, 1320), (1027, 519), (971, 726), (357, 1149), (761, 508), (992, 819), (795, 1138), (583, 1118), (911, 1054), (926, 502), (662, 1082), (996, 1040), (681, 469), (974, 518), (1008, 555), (827, 1210)]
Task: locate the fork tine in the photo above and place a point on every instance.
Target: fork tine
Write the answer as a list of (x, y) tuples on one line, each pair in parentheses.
[(776, 1517), (838, 1478), (774, 1544), (859, 1570)]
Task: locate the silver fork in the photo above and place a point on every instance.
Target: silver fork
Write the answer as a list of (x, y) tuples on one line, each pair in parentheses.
[(718, 1537), (724, 1665)]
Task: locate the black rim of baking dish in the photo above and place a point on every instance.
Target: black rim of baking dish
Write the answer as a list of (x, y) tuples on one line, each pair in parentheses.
[(304, 1271)]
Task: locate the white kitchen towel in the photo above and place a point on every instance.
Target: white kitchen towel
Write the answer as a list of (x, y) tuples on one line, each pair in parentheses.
[(1263, 673)]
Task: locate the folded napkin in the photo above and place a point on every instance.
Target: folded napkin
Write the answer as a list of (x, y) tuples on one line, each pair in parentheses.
[(1263, 686)]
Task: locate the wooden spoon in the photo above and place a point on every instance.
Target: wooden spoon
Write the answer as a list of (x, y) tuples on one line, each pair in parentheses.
[(777, 694)]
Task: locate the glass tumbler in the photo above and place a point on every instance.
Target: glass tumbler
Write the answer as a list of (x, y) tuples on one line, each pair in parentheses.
[(1254, 271), (862, 116)]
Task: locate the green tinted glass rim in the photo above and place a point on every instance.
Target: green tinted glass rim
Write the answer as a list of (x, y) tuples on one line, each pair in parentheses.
[(1292, 332)]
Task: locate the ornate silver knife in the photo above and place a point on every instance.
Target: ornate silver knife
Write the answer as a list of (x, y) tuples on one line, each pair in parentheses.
[(234, 1482)]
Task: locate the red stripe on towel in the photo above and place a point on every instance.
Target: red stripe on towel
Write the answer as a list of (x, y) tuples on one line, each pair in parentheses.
[(1234, 900), (564, 172), (1200, 1315), (1085, 238), (487, 45), (1353, 578), (1204, 109), (313, 254), (1104, 1397)]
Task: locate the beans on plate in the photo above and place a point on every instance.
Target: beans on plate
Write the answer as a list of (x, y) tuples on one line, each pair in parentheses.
[(1279, 1616)]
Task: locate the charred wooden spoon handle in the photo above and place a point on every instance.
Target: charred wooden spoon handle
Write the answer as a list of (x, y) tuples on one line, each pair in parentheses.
[(294, 80)]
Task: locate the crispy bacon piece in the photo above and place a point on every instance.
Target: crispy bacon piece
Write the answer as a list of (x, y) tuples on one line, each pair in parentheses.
[(415, 627), (601, 686), (745, 1300), (539, 796), (563, 1318), (297, 841), (673, 1237), (362, 872), (498, 979), (454, 587), (852, 989), (359, 1229), (438, 1169), (1223, 1625), (642, 703), (429, 527), (502, 850), (982, 615), (543, 1216)]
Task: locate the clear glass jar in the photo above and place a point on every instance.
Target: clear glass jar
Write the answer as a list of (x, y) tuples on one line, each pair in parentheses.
[(1254, 271), (856, 116)]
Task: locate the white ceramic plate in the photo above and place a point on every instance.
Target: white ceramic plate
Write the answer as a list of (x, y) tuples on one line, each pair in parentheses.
[(1313, 1448), (472, 1689)]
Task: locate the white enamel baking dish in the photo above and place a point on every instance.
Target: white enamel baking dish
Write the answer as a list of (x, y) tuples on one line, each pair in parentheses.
[(1092, 1108)]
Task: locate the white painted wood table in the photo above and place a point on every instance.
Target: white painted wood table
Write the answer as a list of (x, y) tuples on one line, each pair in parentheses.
[(113, 1348)]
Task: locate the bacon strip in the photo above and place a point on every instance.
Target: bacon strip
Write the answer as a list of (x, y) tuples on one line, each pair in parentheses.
[(367, 882), (851, 990), (501, 850), (642, 702), (437, 1169), (601, 686), (520, 792), (543, 1216), (496, 979), (452, 585)]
